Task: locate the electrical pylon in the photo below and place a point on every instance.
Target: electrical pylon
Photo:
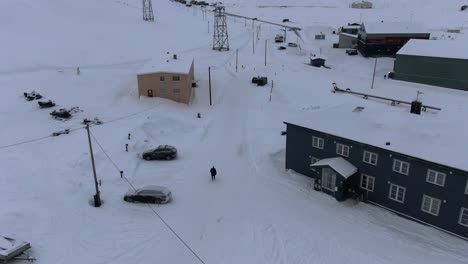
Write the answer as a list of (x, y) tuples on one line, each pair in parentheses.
[(220, 33), (148, 11)]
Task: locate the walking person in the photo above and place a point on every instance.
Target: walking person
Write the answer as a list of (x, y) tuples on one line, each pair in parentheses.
[(213, 173)]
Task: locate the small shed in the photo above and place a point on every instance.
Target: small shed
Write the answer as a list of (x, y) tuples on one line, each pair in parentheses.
[(317, 61), (320, 36), (11, 248), (335, 177), (361, 4)]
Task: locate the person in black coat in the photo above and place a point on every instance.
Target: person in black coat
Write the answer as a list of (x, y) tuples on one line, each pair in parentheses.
[(213, 173)]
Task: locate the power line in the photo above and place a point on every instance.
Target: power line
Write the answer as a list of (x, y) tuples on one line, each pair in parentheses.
[(33, 140), (152, 209), (74, 129)]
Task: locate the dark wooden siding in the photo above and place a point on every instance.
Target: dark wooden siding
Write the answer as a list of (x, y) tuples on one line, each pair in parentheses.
[(299, 150)]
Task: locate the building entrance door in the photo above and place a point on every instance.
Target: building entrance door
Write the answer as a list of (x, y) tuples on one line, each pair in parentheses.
[(150, 93), (328, 179)]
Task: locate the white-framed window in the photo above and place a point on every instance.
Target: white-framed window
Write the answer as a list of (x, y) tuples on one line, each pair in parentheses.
[(436, 177), (430, 205), (466, 187), (176, 90), (463, 220), (161, 78), (313, 160), (175, 77), (367, 182), (401, 166), (317, 142), (397, 193), (370, 157), (342, 149)]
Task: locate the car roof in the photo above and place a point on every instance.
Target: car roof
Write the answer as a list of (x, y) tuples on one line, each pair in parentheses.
[(165, 147), (153, 188)]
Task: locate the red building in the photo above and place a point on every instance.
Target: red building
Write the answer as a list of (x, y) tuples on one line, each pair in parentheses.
[(386, 38)]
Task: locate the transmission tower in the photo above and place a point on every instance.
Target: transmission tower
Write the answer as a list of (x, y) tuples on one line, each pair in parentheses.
[(148, 11), (220, 34)]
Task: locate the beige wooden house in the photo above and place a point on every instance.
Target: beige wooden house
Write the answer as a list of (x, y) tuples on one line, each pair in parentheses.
[(171, 79)]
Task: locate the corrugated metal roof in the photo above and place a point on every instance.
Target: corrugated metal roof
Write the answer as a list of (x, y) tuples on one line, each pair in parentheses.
[(435, 48), (394, 28)]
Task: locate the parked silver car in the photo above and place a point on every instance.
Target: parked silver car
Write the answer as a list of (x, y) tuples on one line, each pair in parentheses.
[(149, 194)]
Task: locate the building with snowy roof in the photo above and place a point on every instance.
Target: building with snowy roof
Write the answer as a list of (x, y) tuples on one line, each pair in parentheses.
[(413, 165), (170, 78), (433, 62), (386, 38), (361, 4)]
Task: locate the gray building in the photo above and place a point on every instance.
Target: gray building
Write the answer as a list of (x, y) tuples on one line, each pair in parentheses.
[(418, 171), (346, 40), (433, 62)]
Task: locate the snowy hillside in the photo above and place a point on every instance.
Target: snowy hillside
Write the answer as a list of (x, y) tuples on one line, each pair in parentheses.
[(255, 211)]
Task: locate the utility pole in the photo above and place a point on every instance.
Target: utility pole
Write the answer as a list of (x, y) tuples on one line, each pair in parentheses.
[(373, 75), (97, 198), (237, 57), (253, 43), (265, 50), (209, 81), (208, 26), (284, 35), (271, 90)]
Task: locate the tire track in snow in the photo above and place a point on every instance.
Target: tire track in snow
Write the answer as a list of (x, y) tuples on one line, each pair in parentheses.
[(272, 246)]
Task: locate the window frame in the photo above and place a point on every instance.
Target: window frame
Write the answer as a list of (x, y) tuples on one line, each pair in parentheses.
[(462, 210), (162, 78), (370, 157), (396, 193), (344, 149), (175, 78), (431, 204), (436, 176), (401, 166), (319, 140), (178, 89), (367, 182)]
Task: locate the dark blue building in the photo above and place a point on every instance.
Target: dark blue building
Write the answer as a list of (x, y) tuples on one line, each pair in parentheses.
[(354, 154)]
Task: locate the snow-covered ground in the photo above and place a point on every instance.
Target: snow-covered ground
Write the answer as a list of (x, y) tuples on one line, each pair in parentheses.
[(255, 211)]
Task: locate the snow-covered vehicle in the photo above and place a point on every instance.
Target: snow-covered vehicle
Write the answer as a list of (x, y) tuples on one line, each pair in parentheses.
[(32, 96), (61, 114), (149, 194), (279, 38), (46, 104), (61, 132), (162, 152)]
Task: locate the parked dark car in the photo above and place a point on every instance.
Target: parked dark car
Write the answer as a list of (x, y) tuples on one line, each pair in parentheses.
[(149, 194), (260, 81), (162, 152)]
